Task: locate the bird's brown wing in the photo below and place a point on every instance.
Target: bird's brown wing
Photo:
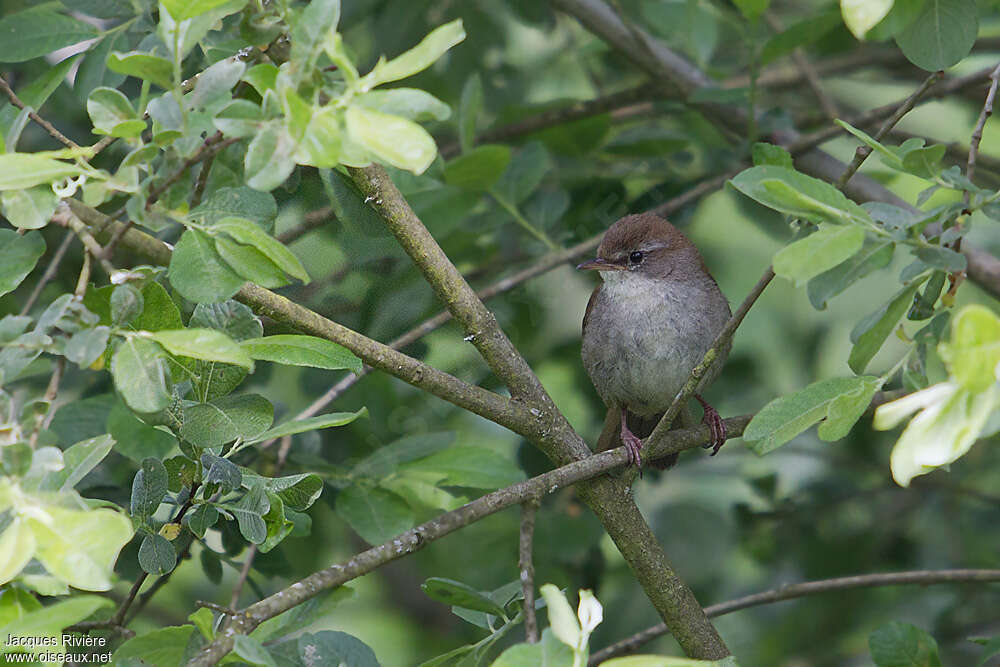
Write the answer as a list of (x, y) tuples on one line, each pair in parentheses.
[(590, 305)]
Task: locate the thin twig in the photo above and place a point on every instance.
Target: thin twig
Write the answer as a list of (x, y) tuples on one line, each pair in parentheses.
[(64, 216), (527, 566), (50, 271), (943, 89), (417, 538), (809, 72), (46, 125), (788, 592), (862, 152), (310, 221), (977, 133)]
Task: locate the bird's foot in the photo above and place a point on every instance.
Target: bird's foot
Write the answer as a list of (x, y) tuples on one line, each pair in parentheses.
[(633, 445), (716, 426)]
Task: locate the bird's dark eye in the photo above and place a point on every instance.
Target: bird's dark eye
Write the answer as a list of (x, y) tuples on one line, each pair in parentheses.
[(635, 257)]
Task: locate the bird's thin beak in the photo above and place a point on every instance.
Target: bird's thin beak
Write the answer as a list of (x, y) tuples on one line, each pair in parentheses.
[(598, 264)]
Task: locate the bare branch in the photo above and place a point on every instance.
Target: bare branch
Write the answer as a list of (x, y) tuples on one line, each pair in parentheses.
[(50, 271), (862, 152), (809, 73), (46, 125), (419, 537), (977, 133), (918, 577), (527, 566)]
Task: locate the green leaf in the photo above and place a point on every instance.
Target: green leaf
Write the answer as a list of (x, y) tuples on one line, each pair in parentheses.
[(474, 467), (874, 255), (417, 59), (159, 312), (225, 419), (17, 547), (221, 471), (241, 202), (941, 35), (278, 525), (166, 646), (778, 156), (79, 547), (249, 512), (870, 334), (29, 209), (375, 514), (239, 118), (820, 251), (973, 353), (201, 519), (321, 143), (205, 344), (250, 263), (23, 170), (125, 304), (252, 651), (148, 488), (860, 16), (299, 492), (796, 194), (312, 27), (785, 417), (300, 616), (525, 172), (549, 651), (230, 317), (903, 645), (157, 555), (331, 647), (412, 103), (143, 66), (845, 410), (478, 169), (78, 460), (296, 350), (18, 255), (136, 439), (39, 31), (197, 271), (111, 113), (469, 107), (942, 258), (799, 34), (141, 374), (249, 233), (310, 424), (392, 139), (186, 9), (457, 594), (268, 162)]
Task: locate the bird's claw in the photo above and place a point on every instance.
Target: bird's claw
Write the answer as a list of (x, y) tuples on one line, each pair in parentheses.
[(633, 448), (716, 426)]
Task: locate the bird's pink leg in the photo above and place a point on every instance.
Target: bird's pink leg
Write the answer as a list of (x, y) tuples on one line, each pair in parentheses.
[(633, 445), (715, 425)]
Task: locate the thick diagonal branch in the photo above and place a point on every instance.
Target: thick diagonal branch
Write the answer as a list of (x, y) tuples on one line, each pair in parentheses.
[(608, 498)]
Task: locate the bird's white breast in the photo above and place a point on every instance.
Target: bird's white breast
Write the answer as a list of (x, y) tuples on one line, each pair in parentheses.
[(644, 336)]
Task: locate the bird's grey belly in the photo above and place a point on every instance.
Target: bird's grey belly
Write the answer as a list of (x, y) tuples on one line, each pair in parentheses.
[(639, 355)]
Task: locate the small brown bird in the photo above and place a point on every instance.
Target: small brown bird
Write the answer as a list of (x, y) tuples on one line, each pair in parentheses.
[(649, 323)]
